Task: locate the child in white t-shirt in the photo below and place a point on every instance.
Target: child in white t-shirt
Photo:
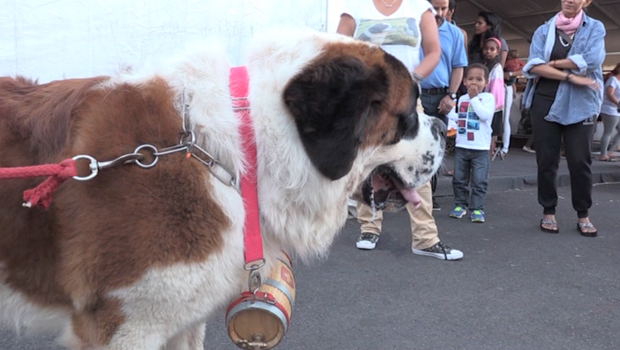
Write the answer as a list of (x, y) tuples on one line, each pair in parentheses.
[(473, 141)]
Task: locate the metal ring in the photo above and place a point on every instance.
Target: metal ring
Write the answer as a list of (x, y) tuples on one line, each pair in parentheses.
[(152, 148), (254, 265), (192, 138), (93, 166)]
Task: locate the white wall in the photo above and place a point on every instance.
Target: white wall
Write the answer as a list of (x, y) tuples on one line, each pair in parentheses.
[(50, 40), (334, 10)]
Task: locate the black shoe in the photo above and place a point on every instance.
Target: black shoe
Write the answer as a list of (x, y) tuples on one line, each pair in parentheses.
[(440, 251), (436, 206), (367, 241), (586, 229)]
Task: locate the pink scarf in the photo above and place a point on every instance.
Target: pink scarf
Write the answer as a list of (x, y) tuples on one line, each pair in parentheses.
[(569, 25)]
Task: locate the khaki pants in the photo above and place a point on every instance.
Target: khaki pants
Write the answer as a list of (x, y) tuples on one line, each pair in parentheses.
[(423, 227)]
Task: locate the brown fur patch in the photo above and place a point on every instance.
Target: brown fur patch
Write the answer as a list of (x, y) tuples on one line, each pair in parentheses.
[(350, 96), (105, 233), (98, 323), (384, 125)]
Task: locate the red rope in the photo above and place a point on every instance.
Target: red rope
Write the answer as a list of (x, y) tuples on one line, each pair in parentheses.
[(42, 194)]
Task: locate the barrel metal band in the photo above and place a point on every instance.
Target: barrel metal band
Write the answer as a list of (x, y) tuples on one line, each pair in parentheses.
[(282, 288)]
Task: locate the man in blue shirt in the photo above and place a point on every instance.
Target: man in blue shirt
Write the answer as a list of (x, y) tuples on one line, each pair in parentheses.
[(439, 89)]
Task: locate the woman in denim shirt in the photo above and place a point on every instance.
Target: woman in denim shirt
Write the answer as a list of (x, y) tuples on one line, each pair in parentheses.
[(564, 95)]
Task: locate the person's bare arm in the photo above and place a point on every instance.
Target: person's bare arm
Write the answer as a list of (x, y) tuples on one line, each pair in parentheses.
[(465, 38), (610, 91), (550, 72), (564, 63), (445, 105), (430, 45), (456, 77), (346, 26), (515, 73)]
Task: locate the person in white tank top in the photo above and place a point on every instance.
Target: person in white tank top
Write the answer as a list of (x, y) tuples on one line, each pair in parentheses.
[(401, 28)]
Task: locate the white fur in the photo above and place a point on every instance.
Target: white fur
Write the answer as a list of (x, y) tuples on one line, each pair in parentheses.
[(21, 314), (301, 210), (409, 153)]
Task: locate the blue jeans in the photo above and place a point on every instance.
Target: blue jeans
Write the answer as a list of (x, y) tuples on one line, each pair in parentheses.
[(430, 103), (471, 167)]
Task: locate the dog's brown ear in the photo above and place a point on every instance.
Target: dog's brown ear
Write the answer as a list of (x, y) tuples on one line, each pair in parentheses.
[(331, 101)]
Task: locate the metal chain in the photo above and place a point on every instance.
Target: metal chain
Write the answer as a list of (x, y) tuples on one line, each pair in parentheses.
[(187, 144), (137, 157)]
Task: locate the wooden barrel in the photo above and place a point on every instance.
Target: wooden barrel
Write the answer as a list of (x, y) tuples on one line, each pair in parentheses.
[(262, 318)]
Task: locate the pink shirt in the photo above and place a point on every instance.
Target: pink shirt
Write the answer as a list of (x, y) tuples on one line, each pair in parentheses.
[(513, 64)]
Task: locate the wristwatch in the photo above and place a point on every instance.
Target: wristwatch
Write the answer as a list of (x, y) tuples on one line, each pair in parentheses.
[(452, 95)]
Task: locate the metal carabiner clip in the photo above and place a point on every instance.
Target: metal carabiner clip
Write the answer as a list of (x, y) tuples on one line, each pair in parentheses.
[(94, 166), (124, 159)]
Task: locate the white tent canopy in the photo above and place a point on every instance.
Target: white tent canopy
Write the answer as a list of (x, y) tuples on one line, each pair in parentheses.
[(50, 40)]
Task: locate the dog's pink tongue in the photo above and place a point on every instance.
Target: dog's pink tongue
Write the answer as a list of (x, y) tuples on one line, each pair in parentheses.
[(411, 195)]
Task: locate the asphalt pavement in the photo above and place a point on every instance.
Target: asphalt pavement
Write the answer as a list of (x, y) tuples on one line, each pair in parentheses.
[(516, 288)]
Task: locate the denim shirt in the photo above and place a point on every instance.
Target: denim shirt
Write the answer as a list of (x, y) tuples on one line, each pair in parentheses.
[(573, 103)]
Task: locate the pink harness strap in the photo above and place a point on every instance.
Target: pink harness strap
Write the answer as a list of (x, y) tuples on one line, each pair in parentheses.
[(239, 81)]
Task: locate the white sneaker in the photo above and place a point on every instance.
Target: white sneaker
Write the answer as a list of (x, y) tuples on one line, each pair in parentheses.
[(351, 209), (528, 150), (351, 212)]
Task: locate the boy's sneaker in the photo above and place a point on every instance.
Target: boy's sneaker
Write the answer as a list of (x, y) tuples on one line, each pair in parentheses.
[(440, 251), (367, 241), (458, 212), (436, 205), (477, 216)]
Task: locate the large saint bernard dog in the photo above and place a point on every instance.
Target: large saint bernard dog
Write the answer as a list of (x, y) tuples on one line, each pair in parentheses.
[(140, 258)]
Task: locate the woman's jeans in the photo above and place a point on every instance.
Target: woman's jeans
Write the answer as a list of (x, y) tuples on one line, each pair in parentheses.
[(471, 167)]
